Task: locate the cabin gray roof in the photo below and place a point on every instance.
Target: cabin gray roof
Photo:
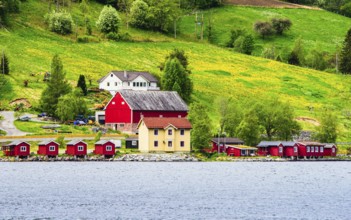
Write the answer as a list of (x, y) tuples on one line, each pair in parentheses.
[(74, 142), (132, 139), (46, 142), (129, 76), (268, 143), (102, 142), (288, 143), (13, 143), (228, 140), (329, 145), (154, 100)]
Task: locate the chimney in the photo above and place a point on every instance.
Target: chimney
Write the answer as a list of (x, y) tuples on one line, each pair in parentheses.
[(125, 74)]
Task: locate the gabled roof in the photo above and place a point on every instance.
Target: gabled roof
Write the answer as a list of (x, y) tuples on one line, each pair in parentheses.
[(47, 142), (126, 76), (228, 140), (74, 142), (163, 123), (153, 100), (312, 143), (14, 143), (329, 145), (242, 147), (288, 143), (269, 143), (102, 142)]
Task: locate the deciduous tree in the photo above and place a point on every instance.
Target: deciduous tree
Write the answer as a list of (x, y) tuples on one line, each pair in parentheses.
[(109, 20), (249, 129), (327, 131), (345, 59)]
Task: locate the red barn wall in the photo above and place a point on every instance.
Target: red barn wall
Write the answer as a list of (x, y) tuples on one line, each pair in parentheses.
[(18, 152), (101, 149), (44, 149), (118, 111)]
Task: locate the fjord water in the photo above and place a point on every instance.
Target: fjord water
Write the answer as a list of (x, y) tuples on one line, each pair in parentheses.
[(103, 190)]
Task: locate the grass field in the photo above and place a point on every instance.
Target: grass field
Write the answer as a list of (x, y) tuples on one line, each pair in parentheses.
[(216, 72), (317, 28), (35, 128)]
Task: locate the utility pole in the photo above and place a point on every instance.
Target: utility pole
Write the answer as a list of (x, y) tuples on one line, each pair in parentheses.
[(196, 25), (202, 26)]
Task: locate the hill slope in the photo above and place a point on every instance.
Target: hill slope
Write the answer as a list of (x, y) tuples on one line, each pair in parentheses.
[(216, 72)]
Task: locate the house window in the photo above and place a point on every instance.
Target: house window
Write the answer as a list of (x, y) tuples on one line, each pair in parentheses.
[(243, 152), (51, 148), (252, 152), (322, 150), (115, 83), (108, 84), (80, 148), (156, 132), (111, 75), (316, 149), (169, 131), (121, 125), (23, 148), (133, 84), (280, 149), (312, 149), (308, 149), (182, 143), (144, 84), (295, 149), (333, 150), (182, 132), (134, 143), (108, 148), (169, 143), (155, 143)]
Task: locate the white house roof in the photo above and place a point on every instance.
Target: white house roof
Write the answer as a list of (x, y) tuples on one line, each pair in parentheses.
[(126, 76)]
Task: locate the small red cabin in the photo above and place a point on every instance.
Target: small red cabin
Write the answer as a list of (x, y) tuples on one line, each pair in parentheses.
[(48, 148), (240, 150), (223, 142), (330, 150), (17, 148), (105, 147), (76, 148), (311, 150), (291, 149), (272, 148)]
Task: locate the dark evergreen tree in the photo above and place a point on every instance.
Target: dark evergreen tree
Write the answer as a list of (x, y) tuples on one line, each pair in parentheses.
[(81, 83), (4, 64), (345, 61), (248, 44), (56, 87)]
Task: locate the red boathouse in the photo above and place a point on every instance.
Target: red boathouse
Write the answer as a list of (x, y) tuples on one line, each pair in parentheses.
[(17, 149), (76, 148), (330, 150), (291, 149), (48, 148), (223, 142), (240, 150), (105, 147), (272, 148), (312, 150), (127, 107)]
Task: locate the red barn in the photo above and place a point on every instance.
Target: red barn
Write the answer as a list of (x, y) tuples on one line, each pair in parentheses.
[(76, 148), (105, 147), (272, 148), (330, 150), (240, 150), (223, 142), (48, 148), (127, 107), (17, 148), (291, 149), (313, 149)]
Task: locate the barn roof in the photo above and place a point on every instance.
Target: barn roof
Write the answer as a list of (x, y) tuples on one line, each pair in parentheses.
[(154, 100), (74, 142), (228, 140), (126, 76), (163, 123), (46, 142), (269, 143)]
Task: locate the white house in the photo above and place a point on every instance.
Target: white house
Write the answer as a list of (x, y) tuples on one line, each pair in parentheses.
[(124, 80)]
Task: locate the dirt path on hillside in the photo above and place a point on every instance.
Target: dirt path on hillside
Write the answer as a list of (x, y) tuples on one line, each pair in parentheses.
[(8, 124), (267, 3)]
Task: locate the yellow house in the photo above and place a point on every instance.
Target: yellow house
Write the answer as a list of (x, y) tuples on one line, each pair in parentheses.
[(164, 135)]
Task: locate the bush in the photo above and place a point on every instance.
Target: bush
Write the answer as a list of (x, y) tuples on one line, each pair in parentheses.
[(60, 22), (87, 39), (234, 35), (280, 25), (61, 141), (263, 28), (119, 37), (138, 14), (244, 44), (109, 20)]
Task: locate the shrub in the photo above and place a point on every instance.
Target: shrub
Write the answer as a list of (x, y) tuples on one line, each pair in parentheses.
[(244, 44), (138, 14), (119, 37), (280, 25), (87, 39), (109, 20), (234, 35), (61, 141), (60, 22), (263, 28)]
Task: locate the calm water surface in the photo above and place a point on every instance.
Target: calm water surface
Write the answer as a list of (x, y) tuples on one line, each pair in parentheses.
[(101, 190)]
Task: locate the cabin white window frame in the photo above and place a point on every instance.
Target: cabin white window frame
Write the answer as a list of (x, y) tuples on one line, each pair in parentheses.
[(312, 149), (316, 150), (23, 148), (295, 149), (333, 150), (280, 149), (52, 148), (134, 143), (308, 149), (243, 154), (108, 147), (80, 148), (321, 149)]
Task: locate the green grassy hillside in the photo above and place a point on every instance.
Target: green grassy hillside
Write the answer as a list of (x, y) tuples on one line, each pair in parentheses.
[(216, 72), (317, 28)]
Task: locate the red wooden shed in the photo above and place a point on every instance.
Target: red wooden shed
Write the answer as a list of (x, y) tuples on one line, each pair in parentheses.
[(312, 150), (290, 149), (48, 148), (105, 147), (330, 150), (240, 150), (125, 109), (76, 148), (272, 148), (223, 142), (17, 148)]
